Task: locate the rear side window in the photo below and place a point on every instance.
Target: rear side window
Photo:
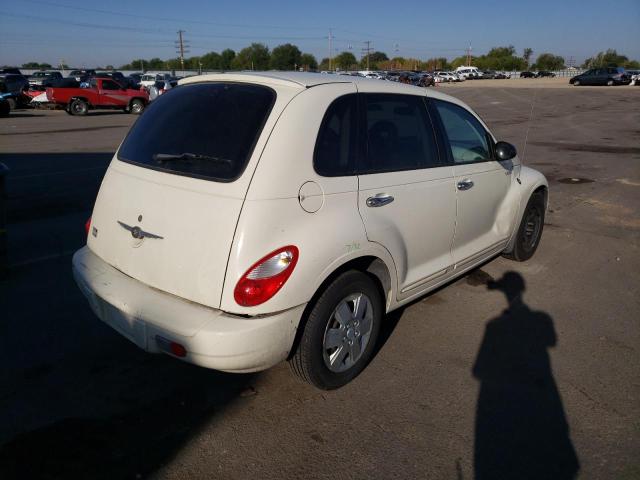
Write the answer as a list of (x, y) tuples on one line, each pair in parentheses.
[(467, 139), (110, 85), (399, 134), (337, 139), (204, 130)]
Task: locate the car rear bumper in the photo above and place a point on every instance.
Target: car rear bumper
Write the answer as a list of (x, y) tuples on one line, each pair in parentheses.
[(151, 318)]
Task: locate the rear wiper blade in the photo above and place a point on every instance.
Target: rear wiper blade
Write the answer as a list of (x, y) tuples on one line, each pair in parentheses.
[(166, 157)]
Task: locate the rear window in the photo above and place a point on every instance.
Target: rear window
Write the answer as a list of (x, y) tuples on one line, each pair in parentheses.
[(205, 130)]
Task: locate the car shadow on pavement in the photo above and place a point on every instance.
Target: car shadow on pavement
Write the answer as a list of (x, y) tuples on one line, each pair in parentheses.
[(77, 400), (521, 430)]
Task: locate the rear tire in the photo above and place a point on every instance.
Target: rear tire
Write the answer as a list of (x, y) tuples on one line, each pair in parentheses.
[(340, 333), (530, 230), (136, 107), (78, 107)]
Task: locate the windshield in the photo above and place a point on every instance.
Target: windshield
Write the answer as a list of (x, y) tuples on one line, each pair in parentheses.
[(205, 130)]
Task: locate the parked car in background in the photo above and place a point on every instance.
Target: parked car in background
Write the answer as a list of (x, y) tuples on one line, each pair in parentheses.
[(447, 76), (103, 93), (39, 77), (527, 74), (469, 73), (12, 70), (602, 76), (488, 74), (149, 79), (635, 76), (502, 75), (12, 87), (178, 259), (81, 75), (5, 107), (160, 87), (545, 73)]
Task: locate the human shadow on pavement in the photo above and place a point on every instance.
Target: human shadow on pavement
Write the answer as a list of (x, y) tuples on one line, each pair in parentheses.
[(521, 429)]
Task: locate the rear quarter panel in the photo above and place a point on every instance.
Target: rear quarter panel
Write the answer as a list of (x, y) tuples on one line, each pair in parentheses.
[(272, 216)]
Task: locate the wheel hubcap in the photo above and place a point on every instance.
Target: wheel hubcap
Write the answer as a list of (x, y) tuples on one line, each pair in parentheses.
[(348, 332)]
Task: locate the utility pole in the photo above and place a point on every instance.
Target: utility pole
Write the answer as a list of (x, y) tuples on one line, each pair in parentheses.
[(182, 48), (142, 65), (469, 55), (366, 51), (330, 48)]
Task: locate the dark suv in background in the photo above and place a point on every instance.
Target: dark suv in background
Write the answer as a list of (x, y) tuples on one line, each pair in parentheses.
[(602, 76)]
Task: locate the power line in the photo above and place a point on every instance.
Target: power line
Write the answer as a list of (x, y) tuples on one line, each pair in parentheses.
[(166, 19)]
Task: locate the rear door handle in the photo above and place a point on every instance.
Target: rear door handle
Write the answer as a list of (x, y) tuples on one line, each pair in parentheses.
[(465, 184), (380, 200)]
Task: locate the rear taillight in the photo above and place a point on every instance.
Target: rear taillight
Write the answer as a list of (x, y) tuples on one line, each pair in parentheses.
[(87, 226), (263, 280)]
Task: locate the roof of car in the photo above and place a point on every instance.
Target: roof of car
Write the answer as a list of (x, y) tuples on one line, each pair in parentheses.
[(307, 80)]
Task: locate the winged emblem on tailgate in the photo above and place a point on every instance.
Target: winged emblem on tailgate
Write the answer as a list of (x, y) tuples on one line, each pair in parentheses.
[(137, 232)]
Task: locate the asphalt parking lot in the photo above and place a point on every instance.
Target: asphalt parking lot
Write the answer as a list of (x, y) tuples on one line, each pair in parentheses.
[(79, 401)]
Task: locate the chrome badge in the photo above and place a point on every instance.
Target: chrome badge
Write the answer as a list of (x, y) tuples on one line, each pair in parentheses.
[(137, 232)]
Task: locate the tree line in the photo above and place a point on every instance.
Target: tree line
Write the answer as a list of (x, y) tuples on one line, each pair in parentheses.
[(258, 56)]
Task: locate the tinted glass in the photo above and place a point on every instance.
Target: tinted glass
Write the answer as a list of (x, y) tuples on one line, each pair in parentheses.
[(399, 134), (203, 130), (109, 85), (467, 138), (336, 144)]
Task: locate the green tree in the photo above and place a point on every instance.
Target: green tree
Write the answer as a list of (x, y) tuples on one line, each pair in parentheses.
[(375, 59), (253, 57), (526, 55), (43, 66), (324, 64), (285, 57), (610, 58), (211, 61), (309, 62), (155, 64), (345, 61), (548, 61), (227, 57)]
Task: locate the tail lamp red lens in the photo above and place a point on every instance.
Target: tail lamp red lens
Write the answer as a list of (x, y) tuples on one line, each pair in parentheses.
[(266, 277), (87, 226)]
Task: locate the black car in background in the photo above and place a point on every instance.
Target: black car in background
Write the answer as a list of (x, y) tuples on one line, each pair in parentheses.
[(527, 74), (12, 70), (11, 88), (82, 75), (602, 76), (545, 73)]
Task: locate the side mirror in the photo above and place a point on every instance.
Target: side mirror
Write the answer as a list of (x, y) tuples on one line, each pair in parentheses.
[(505, 151)]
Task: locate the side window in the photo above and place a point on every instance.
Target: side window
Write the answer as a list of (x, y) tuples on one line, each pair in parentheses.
[(466, 136), (335, 151), (399, 134), (93, 83), (110, 85)]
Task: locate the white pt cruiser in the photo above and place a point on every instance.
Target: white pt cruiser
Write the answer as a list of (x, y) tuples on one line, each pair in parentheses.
[(251, 218)]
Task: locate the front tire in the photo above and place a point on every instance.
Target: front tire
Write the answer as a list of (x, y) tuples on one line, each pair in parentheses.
[(340, 333), (12, 103), (576, 83), (78, 107), (530, 230), (609, 83)]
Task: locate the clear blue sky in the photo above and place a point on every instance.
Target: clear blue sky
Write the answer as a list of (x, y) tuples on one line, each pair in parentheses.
[(117, 31)]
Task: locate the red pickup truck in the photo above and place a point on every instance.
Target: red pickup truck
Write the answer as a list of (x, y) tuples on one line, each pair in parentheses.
[(102, 93)]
